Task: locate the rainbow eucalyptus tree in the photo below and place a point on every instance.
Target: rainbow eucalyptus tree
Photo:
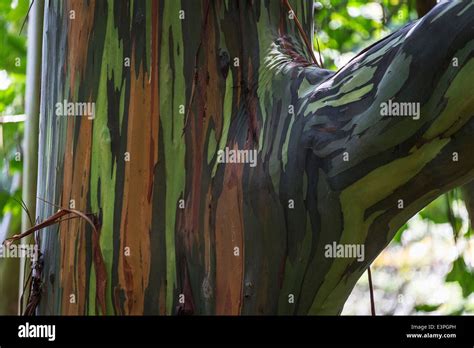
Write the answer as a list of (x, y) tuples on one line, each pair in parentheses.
[(219, 164)]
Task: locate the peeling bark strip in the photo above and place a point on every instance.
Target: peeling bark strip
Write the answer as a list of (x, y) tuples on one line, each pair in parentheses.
[(183, 232)]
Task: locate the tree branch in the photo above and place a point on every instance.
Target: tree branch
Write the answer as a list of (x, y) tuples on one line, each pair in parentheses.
[(383, 169)]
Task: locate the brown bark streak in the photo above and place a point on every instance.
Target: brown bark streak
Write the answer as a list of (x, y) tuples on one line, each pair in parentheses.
[(137, 207)]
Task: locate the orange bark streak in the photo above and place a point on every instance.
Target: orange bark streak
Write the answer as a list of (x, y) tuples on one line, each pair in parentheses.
[(135, 229), (229, 234)]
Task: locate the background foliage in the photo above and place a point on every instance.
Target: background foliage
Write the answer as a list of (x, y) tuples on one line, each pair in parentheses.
[(344, 27), (12, 96)]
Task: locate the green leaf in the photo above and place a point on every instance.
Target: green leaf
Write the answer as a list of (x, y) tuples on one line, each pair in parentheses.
[(436, 211), (464, 276), (4, 196), (397, 239), (427, 307)]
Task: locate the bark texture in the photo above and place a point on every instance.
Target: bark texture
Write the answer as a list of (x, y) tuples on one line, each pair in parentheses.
[(181, 233)]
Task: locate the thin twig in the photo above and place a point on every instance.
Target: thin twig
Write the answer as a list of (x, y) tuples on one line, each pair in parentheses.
[(371, 289), (303, 35), (26, 17), (52, 220), (24, 290), (319, 53), (58, 206), (25, 208), (99, 265)]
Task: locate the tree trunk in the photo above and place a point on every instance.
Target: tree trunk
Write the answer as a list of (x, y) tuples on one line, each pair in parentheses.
[(9, 266), (424, 6), (183, 233)]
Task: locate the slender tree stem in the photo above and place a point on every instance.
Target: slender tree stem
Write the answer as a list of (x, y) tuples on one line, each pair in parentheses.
[(32, 101), (304, 36), (371, 289)]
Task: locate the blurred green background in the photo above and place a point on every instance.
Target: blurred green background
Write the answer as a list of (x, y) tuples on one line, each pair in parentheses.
[(12, 107), (345, 27)]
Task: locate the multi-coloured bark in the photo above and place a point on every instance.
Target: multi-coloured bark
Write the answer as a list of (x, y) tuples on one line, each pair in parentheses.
[(182, 233)]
